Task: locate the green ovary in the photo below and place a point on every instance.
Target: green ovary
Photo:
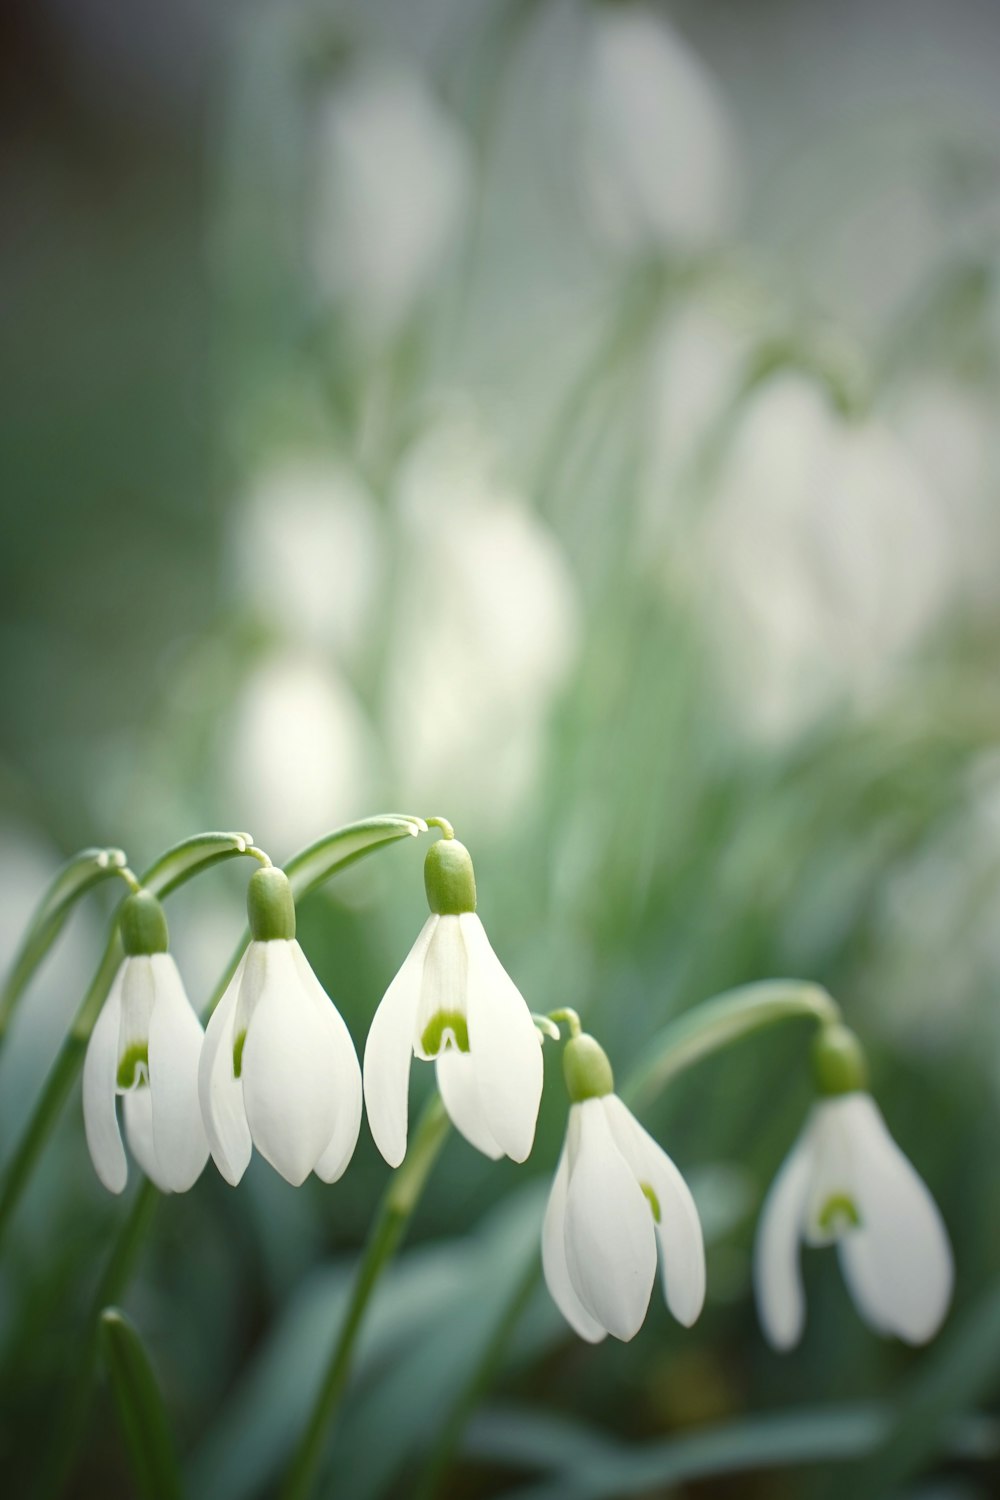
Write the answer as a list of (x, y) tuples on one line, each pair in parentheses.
[(133, 1066), (839, 1212), (443, 1021), (238, 1053), (654, 1201)]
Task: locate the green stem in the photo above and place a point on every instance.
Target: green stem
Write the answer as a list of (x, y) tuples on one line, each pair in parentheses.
[(397, 1206), (732, 1015)]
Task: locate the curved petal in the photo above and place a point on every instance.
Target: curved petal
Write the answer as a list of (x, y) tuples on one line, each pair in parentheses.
[(504, 1045), (777, 1275), (389, 1052), (346, 1081), (678, 1226), (456, 1081), (137, 1106), (100, 1068), (220, 1092), (175, 1042), (289, 1065), (442, 1012), (610, 1243), (554, 1265), (898, 1263)]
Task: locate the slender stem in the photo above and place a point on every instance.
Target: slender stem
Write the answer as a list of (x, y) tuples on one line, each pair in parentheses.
[(444, 826), (442, 1454), (569, 1018), (397, 1206), (728, 1017), (129, 876)]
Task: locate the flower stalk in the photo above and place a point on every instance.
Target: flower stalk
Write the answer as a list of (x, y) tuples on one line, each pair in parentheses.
[(395, 1211)]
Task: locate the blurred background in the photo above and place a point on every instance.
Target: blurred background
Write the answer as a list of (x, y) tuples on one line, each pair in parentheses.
[(580, 420)]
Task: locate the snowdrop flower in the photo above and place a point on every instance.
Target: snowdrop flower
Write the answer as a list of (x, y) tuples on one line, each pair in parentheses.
[(615, 1198), (454, 1002), (846, 1182), (278, 1068), (660, 158), (145, 1047)]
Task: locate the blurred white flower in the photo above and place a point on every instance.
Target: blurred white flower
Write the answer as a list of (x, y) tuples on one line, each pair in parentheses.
[(616, 1196), (660, 161), (145, 1046), (485, 632), (298, 751), (392, 189), (278, 1068), (824, 559), (306, 552), (847, 1182), (453, 1001)]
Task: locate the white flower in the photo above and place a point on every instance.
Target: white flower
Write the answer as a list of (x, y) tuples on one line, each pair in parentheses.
[(145, 1046), (616, 1195), (278, 1068), (847, 1182), (660, 155), (453, 1001)]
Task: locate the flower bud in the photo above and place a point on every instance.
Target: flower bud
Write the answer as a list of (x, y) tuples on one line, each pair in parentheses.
[(270, 906), (587, 1070), (838, 1059), (449, 879), (143, 925)]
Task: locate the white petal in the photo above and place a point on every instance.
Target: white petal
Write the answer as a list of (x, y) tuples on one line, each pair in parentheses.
[(503, 1044), (443, 988), (679, 1227), (220, 1093), (776, 1271), (100, 1068), (610, 1243), (346, 1082), (389, 1052), (898, 1264), (137, 1106), (138, 992), (554, 1259), (175, 1042), (456, 1081), (289, 1065)]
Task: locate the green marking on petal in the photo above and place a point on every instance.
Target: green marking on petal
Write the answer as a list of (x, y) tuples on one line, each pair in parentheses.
[(133, 1066), (839, 1212), (441, 1022), (654, 1201), (238, 1053)]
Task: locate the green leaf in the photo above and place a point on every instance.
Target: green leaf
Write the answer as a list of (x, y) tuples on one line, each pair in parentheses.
[(584, 1467), (79, 875), (315, 864), (140, 1409)]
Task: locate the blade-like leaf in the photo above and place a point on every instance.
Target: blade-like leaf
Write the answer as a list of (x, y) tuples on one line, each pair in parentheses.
[(190, 857), (140, 1409), (79, 875)]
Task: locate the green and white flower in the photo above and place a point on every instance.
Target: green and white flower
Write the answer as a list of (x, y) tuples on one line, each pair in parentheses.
[(454, 1002), (145, 1047), (617, 1201), (847, 1183), (278, 1068)]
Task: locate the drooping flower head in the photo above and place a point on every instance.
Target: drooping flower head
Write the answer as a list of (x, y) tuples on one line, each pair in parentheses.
[(278, 1068), (617, 1198), (454, 1003), (145, 1047), (846, 1182)]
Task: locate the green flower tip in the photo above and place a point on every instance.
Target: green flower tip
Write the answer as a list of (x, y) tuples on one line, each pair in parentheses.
[(270, 905), (587, 1070), (449, 878), (143, 925), (839, 1063)]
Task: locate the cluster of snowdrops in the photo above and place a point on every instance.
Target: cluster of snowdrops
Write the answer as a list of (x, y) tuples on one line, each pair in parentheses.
[(277, 1069)]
